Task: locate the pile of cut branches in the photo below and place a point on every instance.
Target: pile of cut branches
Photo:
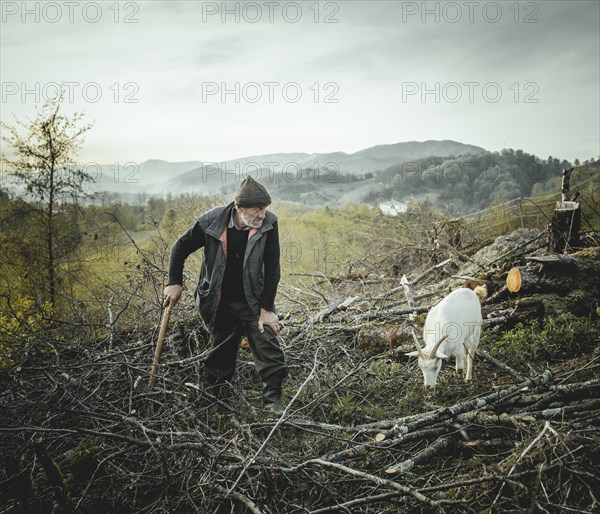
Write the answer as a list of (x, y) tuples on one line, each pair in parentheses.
[(360, 433)]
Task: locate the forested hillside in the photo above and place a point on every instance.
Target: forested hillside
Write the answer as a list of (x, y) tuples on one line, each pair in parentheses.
[(462, 184)]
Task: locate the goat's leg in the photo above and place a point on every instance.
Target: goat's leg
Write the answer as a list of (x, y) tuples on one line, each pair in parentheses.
[(469, 376), (460, 364)]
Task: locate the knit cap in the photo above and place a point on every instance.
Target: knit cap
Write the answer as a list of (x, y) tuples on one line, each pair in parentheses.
[(251, 194)]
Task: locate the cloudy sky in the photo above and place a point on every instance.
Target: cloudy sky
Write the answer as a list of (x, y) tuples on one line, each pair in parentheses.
[(212, 81)]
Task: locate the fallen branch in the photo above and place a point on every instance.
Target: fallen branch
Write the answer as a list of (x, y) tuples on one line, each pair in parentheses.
[(244, 500), (421, 276), (330, 309), (428, 453), (462, 256), (501, 365), (421, 498)]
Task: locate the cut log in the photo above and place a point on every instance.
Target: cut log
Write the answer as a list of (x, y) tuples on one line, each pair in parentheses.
[(533, 281), (375, 338), (513, 280)]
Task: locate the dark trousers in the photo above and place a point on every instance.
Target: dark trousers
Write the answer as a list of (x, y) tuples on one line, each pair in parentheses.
[(232, 320)]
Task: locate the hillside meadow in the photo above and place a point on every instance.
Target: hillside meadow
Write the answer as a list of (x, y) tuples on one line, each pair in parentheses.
[(112, 258)]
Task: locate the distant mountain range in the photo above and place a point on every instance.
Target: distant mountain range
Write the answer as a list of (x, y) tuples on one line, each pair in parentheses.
[(157, 176), (442, 173)]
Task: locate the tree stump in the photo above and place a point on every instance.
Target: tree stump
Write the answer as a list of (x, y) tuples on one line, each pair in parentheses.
[(564, 227)]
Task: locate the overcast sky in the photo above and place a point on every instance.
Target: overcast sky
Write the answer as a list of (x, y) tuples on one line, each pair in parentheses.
[(307, 76)]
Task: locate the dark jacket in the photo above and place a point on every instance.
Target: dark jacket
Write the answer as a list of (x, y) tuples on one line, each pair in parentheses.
[(261, 261)]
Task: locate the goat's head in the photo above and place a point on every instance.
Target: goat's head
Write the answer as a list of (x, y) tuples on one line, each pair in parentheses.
[(430, 362), (479, 287)]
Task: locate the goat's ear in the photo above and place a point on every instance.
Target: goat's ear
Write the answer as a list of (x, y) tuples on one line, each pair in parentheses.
[(412, 354), (440, 355)]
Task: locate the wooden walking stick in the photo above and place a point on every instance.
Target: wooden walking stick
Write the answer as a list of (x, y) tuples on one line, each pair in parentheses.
[(159, 344)]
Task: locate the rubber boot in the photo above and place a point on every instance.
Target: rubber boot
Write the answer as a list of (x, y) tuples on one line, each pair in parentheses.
[(272, 399)]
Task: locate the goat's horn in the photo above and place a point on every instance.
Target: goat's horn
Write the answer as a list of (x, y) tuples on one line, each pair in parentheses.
[(416, 342), (437, 345)]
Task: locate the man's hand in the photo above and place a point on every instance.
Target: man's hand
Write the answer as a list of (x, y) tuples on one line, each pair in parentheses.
[(268, 318), (171, 295)]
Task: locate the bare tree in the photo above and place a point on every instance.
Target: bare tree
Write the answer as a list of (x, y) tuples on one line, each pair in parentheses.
[(44, 152)]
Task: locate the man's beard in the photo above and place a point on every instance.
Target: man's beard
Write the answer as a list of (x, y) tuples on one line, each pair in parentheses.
[(247, 222)]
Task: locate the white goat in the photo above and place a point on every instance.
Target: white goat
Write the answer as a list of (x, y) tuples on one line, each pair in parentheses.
[(452, 328)]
